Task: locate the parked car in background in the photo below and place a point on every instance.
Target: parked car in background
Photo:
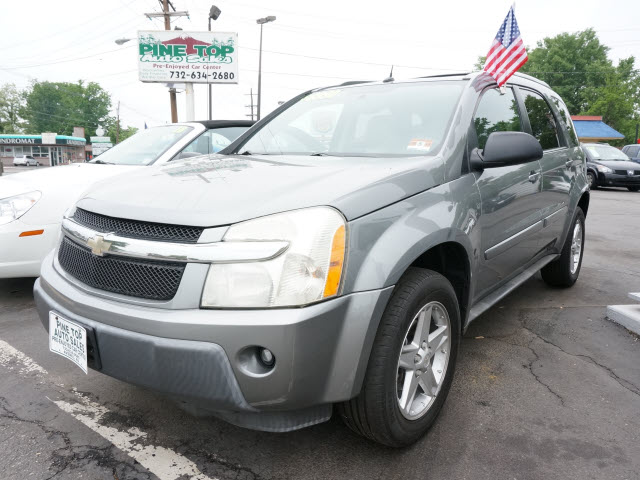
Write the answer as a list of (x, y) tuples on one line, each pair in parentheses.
[(32, 203), (633, 152), (25, 160), (333, 255), (609, 167)]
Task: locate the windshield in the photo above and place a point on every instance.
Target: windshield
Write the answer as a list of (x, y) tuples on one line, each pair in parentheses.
[(145, 147), (606, 152), (367, 120)]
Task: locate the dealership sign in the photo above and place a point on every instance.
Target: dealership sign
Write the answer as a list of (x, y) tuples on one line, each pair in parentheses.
[(177, 56)]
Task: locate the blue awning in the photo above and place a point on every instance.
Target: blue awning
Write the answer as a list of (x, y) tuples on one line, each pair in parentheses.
[(595, 129)]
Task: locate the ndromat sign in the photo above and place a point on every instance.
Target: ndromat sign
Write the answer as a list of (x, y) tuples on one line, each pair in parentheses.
[(178, 56)]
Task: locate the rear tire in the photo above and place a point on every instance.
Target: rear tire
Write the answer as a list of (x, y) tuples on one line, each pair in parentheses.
[(564, 271), (633, 189), (399, 354)]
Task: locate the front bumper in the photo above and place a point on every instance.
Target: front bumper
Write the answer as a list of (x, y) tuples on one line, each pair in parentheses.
[(615, 180), (321, 350), (22, 256)]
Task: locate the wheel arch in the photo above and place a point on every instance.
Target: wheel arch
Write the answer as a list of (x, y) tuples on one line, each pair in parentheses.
[(583, 202), (450, 259)]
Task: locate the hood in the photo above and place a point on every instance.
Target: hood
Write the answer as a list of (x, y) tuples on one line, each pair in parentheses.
[(220, 190), (618, 164), (60, 187)]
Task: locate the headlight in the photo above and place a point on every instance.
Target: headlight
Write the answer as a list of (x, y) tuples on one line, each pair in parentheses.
[(308, 271), (603, 169), (12, 208)]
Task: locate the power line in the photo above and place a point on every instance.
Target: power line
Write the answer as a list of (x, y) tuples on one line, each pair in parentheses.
[(80, 24), (351, 61), (119, 49)]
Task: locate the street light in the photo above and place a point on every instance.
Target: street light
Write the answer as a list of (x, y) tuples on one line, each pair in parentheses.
[(214, 13), (261, 22), (120, 41)]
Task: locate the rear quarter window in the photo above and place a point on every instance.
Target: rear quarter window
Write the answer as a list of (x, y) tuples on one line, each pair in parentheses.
[(565, 121)]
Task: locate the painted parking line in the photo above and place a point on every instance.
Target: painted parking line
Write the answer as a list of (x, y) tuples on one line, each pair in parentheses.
[(15, 360), (163, 462)]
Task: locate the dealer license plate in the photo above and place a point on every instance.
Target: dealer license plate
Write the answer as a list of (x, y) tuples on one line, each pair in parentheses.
[(68, 339)]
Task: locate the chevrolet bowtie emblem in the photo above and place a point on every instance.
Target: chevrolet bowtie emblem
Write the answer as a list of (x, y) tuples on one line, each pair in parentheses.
[(98, 245)]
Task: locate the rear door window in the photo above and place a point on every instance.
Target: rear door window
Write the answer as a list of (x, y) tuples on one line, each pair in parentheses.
[(543, 123), (496, 112)]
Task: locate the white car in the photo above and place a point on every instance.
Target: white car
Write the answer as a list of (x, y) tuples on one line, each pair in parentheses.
[(32, 203), (25, 160)]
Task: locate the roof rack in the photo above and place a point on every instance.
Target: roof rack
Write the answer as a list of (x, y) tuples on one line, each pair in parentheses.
[(446, 75), (354, 82), (533, 79)]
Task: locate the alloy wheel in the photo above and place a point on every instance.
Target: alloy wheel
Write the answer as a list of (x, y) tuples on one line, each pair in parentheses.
[(576, 247), (423, 361)]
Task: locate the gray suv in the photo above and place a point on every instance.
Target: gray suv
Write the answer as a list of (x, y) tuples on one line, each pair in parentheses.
[(329, 259)]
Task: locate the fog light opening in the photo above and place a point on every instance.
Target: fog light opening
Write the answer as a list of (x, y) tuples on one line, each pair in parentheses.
[(267, 358)]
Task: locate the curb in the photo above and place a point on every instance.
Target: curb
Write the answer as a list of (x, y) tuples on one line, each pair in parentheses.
[(626, 315)]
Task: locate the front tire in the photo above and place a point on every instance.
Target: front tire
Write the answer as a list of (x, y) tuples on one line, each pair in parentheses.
[(564, 271), (591, 180), (633, 189), (412, 362)]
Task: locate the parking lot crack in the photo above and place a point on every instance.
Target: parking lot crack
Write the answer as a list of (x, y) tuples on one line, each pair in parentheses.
[(537, 377), (626, 384), (530, 365)]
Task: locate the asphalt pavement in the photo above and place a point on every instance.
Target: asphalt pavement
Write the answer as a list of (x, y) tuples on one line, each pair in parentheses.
[(545, 388)]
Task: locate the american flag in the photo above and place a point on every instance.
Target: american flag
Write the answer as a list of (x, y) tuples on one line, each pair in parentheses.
[(507, 53)]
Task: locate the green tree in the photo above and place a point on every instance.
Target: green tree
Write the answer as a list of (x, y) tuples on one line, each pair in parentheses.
[(11, 100), (576, 65), (111, 127), (60, 106)]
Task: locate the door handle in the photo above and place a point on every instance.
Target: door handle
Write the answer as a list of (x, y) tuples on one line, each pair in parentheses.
[(568, 163), (533, 176)]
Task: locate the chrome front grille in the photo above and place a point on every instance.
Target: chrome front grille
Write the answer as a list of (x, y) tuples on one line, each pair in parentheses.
[(154, 280), (158, 232), (108, 254)]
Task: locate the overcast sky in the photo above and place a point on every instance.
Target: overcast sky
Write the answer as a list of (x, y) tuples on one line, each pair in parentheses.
[(74, 39)]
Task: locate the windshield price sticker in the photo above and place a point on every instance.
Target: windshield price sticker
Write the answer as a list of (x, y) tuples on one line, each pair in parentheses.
[(168, 56), (68, 340)]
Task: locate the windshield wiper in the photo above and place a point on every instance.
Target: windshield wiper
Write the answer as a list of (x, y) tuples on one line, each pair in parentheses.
[(101, 162), (320, 154), (247, 152)]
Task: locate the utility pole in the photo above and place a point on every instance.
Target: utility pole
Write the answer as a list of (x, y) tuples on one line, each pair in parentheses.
[(118, 123), (250, 104), (172, 91)]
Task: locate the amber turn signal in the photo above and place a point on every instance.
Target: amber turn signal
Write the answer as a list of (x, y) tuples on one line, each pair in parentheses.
[(31, 233), (336, 263)]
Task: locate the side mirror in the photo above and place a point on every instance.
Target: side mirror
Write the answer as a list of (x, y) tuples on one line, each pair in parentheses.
[(506, 148)]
